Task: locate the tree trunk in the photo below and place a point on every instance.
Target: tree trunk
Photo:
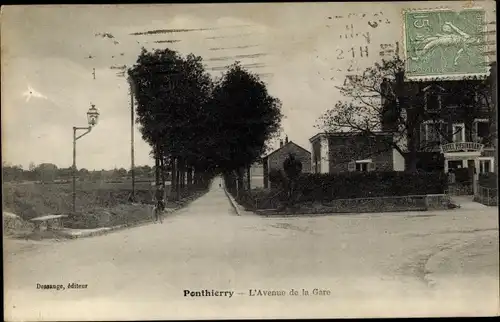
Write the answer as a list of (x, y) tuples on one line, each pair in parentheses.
[(173, 179), (412, 154), (239, 180), (190, 176), (181, 169), (196, 176), (162, 166), (249, 182), (183, 174), (413, 128), (177, 181), (157, 166)]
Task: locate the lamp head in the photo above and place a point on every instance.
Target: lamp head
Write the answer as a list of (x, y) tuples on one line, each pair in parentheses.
[(92, 115)]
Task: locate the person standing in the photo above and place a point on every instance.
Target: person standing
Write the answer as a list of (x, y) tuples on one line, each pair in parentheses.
[(159, 197)]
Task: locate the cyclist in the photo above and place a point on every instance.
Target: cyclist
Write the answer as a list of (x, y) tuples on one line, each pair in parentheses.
[(159, 202)]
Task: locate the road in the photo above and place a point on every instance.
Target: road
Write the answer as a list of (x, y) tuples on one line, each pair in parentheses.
[(372, 265)]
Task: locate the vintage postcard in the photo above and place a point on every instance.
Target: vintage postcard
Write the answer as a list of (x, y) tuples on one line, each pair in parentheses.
[(251, 160)]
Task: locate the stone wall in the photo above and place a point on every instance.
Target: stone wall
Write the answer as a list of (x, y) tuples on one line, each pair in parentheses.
[(356, 206)]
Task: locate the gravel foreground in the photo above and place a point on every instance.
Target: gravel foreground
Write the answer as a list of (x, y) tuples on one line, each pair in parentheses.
[(368, 265)]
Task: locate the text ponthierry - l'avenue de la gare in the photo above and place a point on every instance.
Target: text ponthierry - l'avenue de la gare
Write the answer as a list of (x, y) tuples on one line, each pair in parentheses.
[(255, 292)]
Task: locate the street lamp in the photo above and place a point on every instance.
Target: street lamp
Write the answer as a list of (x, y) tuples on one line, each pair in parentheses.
[(92, 118)]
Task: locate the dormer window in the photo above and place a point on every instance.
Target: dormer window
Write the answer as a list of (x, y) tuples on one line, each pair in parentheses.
[(433, 97), (432, 102)]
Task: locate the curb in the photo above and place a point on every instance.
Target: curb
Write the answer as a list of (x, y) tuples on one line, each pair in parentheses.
[(432, 265), (233, 202), (433, 262), (106, 230)]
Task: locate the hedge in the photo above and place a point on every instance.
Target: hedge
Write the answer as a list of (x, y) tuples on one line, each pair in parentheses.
[(349, 185), (488, 180), (311, 188)]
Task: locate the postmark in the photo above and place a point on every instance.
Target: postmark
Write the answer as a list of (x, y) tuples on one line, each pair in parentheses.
[(444, 43)]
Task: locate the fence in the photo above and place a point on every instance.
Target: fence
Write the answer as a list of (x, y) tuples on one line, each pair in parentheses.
[(464, 189), (487, 196)]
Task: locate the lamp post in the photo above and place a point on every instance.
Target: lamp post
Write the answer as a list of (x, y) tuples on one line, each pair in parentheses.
[(92, 117)]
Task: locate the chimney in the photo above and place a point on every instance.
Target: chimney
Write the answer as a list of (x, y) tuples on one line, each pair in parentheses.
[(281, 143), (286, 139)]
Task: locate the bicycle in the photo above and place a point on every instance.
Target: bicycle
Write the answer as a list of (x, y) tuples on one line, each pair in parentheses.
[(157, 213)]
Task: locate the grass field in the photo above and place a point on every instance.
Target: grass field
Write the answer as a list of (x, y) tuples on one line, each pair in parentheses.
[(89, 185), (98, 204), (29, 200)]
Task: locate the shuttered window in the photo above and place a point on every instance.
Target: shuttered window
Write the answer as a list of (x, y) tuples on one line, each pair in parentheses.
[(361, 166)]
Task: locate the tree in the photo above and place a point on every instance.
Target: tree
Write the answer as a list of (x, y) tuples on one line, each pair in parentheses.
[(244, 118), (30, 174), (145, 170), (293, 168), (120, 173), (66, 173), (11, 172), (172, 92), (46, 172), (83, 173), (381, 100)]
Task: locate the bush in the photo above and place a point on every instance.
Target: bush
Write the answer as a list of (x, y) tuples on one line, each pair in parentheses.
[(261, 198), (277, 178), (324, 187)]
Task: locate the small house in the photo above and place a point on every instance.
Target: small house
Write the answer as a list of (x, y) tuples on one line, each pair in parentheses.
[(348, 151)]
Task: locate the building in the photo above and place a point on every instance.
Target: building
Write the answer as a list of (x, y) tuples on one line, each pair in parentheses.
[(348, 151), (455, 123), (274, 160)]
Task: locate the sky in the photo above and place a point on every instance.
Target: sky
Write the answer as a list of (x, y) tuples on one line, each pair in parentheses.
[(301, 50)]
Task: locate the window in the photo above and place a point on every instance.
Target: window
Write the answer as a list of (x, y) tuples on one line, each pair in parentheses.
[(458, 133), (481, 130), (485, 165), (434, 132), (432, 102), (361, 166)]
